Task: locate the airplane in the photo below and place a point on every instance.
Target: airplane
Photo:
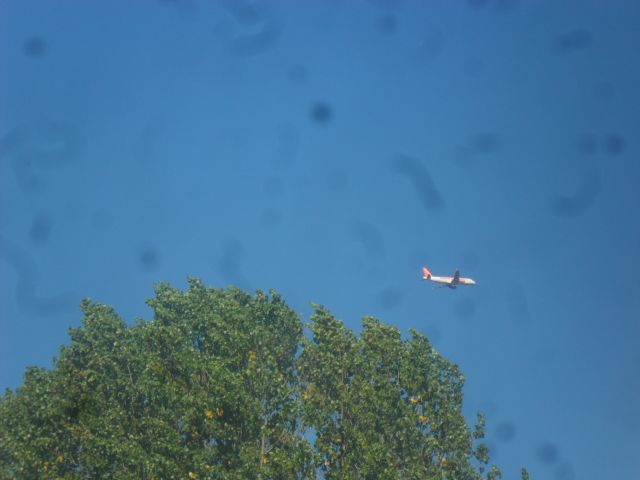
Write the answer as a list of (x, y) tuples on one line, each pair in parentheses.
[(451, 282)]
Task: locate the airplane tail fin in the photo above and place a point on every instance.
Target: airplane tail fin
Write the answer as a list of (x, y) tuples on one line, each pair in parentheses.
[(426, 274)]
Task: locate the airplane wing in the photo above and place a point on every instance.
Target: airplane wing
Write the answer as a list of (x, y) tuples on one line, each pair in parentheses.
[(456, 278)]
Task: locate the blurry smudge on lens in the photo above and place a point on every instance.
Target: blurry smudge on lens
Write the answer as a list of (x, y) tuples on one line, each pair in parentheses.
[(40, 229), (587, 144), (259, 29), (479, 145), (270, 218), (433, 333), (387, 4), (582, 200), (430, 45), (419, 176), (148, 258), (568, 42), (614, 144), (231, 258), (183, 6), (485, 143), (564, 471), (249, 44), (298, 75), (464, 308), (26, 296), (370, 239), (321, 113), (517, 304), (389, 298), (547, 453), (478, 3), (230, 262), (37, 149), (505, 6), (35, 47), (502, 6), (243, 11), (387, 24), (505, 431)]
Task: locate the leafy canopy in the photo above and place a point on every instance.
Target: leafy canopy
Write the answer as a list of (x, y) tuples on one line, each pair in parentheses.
[(222, 384)]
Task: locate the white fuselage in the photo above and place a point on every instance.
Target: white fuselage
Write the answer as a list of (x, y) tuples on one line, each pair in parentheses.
[(461, 280)]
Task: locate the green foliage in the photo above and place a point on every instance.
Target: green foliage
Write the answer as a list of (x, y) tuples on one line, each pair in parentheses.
[(222, 384)]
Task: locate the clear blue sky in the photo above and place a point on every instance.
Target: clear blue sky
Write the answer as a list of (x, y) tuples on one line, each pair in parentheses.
[(328, 150)]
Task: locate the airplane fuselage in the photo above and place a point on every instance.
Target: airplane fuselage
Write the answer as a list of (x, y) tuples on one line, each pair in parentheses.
[(451, 282)]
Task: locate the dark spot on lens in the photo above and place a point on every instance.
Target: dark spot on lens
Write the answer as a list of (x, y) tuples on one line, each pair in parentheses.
[(321, 113), (464, 308), (370, 239), (505, 431), (35, 47), (547, 453), (485, 143), (387, 24), (389, 298), (480, 144), (577, 39), (148, 258), (230, 263), (232, 256), (587, 144), (40, 229), (614, 144)]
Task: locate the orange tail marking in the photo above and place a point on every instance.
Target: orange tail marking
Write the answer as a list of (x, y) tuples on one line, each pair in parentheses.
[(426, 273)]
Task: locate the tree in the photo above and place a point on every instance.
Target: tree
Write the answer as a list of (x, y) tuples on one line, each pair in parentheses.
[(223, 384)]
